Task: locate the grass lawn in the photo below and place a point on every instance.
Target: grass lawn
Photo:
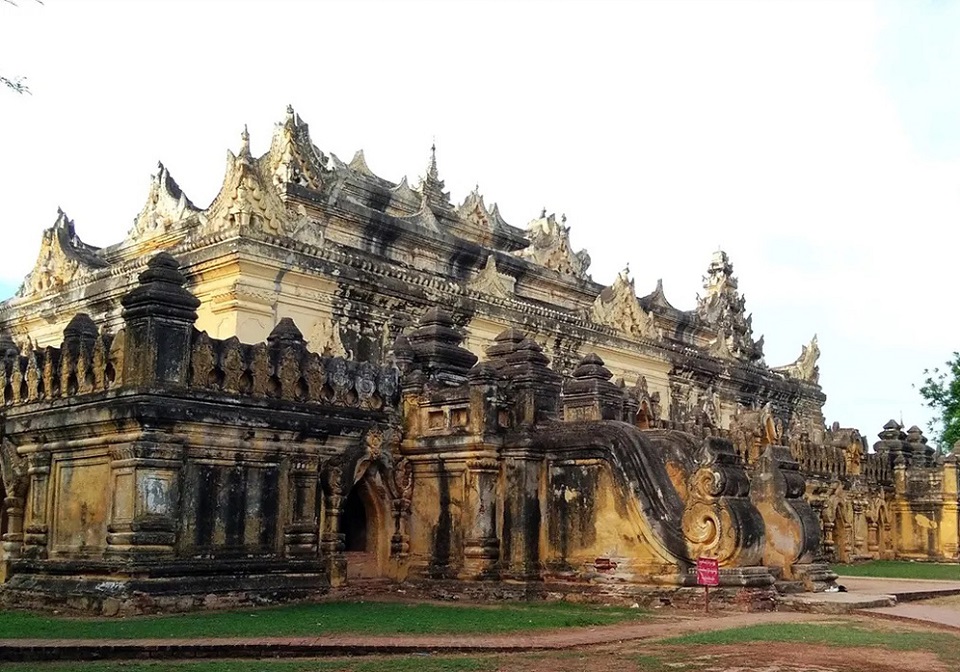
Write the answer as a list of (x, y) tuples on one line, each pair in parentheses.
[(901, 569), (370, 618)]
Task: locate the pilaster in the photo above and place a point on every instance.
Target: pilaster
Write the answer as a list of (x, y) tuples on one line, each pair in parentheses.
[(481, 544), (35, 536), (145, 479)]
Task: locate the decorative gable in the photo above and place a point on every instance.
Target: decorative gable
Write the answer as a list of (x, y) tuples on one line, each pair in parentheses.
[(550, 247), (617, 306)]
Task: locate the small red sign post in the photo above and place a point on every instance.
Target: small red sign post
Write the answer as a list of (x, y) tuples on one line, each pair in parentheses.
[(708, 574)]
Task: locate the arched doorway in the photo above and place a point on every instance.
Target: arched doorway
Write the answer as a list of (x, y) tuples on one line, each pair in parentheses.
[(362, 522), (354, 524)]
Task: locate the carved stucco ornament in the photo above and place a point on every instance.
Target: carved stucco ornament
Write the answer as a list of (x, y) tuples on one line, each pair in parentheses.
[(550, 247), (324, 337), (63, 258), (617, 306), (491, 281), (247, 201), (424, 217), (723, 308), (474, 212), (358, 164), (166, 205), (293, 158), (805, 366), (404, 201)]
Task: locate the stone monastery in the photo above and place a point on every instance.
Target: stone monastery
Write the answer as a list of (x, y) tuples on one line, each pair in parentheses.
[(325, 377)]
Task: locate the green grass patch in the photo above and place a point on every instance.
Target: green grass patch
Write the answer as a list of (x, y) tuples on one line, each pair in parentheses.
[(371, 618), (651, 663), (900, 569), (845, 635), (404, 664)]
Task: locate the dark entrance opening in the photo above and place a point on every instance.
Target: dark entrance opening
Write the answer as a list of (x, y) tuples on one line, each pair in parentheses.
[(354, 523)]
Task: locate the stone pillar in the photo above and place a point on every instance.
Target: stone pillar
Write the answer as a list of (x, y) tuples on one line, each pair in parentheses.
[(12, 540), (873, 537), (950, 518), (860, 531), (146, 505), (300, 534), (522, 517), (159, 316), (481, 545), (828, 552), (37, 526), (400, 484), (903, 537), (332, 539), (816, 505)]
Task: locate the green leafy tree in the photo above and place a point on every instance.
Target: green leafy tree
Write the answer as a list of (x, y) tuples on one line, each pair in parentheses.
[(941, 392)]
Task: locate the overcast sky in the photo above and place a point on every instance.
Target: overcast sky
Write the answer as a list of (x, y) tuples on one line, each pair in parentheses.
[(818, 143)]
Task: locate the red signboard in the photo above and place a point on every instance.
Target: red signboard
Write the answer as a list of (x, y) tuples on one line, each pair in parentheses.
[(708, 572)]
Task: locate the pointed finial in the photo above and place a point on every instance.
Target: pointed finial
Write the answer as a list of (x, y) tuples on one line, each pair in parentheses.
[(433, 159), (563, 218), (245, 141), (543, 213), (289, 109)]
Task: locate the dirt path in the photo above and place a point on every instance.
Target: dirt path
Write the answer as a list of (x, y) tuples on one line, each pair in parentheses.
[(627, 646)]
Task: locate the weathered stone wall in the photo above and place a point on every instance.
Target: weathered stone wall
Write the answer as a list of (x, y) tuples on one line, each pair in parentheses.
[(163, 466)]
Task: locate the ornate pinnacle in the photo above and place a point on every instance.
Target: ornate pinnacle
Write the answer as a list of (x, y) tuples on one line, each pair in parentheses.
[(245, 142), (431, 186), (432, 169)]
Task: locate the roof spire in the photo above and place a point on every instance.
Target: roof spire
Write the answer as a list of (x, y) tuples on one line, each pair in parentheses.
[(245, 142), (431, 186)]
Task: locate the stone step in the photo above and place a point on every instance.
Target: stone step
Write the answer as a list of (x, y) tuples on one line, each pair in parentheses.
[(789, 587), (836, 603)]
